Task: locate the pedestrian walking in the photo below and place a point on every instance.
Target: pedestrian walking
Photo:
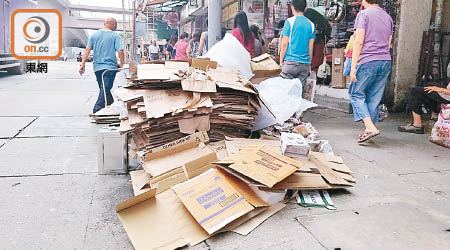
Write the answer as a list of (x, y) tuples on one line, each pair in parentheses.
[(153, 51), (181, 47), (297, 43), (105, 43), (193, 50), (170, 47), (243, 33), (204, 41), (371, 65)]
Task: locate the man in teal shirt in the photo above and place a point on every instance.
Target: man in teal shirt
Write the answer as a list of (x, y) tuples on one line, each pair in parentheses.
[(297, 43), (105, 43)]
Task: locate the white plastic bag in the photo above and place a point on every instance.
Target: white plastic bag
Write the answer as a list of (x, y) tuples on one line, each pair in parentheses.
[(284, 97), (229, 53), (441, 130)]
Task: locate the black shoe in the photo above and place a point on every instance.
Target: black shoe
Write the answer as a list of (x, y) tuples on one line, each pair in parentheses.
[(410, 128)]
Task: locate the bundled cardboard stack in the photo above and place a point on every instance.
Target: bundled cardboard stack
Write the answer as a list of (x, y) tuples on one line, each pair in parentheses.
[(168, 101), (191, 189), (108, 115)]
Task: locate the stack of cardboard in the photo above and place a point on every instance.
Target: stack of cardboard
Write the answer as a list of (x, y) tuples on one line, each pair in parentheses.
[(191, 189), (108, 115), (168, 101)]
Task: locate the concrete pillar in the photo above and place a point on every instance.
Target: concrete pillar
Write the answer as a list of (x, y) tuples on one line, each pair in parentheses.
[(415, 17), (214, 22)]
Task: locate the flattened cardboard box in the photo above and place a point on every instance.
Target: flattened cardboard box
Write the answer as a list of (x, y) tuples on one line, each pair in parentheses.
[(264, 66), (163, 222), (159, 222), (322, 171), (213, 201), (261, 165)]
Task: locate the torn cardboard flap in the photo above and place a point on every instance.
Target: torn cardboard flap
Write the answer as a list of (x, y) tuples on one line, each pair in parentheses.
[(161, 102), (261, 165), (335, 162), (212, 200), (203, 64), (127, 95), (227, 78), (140, 181), (326, 170), (203, 86), (196, 123)]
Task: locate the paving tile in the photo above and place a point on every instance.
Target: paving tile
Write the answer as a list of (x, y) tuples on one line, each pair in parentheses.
[(54, 155), (386, 226), (10, 126), (49, 212), (61, 126)]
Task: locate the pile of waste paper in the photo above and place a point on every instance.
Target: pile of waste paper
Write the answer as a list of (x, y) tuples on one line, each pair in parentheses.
[(171, 100), (201, 174), (192, 189)]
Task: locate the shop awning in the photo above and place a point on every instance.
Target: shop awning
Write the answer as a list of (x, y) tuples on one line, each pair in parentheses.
[(165, 5)]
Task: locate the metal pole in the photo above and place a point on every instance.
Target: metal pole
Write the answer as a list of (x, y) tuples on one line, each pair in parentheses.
[(124, 31), (437, 38), (134, 22), (214, 22)]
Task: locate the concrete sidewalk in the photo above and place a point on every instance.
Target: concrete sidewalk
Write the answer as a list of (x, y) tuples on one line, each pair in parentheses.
[(52, 197)]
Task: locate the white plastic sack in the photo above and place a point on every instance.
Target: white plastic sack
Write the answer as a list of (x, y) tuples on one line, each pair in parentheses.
[(229, 53), (441, 130), (284, 97)]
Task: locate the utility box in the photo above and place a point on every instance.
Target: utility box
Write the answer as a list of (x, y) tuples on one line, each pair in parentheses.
[(112, 151), (337, 75)]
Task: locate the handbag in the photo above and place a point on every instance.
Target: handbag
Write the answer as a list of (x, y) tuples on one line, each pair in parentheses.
[(441, 130)]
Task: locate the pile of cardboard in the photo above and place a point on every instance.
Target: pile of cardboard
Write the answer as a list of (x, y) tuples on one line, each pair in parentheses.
[(109, 115), (191, 189), (168, 101)]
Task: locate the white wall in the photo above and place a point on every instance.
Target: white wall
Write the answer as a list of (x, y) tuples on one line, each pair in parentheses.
[(415, 16)]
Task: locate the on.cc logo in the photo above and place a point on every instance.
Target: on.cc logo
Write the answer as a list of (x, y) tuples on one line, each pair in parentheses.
[(36, 29)]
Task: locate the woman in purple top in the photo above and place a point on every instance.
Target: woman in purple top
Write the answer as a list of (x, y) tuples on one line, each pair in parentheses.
[(371, 65)]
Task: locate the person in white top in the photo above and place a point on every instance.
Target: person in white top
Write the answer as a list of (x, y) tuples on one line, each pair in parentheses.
[(153, 51)]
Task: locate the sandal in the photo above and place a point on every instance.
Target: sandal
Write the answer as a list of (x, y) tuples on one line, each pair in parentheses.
[(367, 135)]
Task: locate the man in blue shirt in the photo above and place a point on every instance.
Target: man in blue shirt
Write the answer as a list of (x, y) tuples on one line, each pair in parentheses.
[(297, 43), (105, 43)]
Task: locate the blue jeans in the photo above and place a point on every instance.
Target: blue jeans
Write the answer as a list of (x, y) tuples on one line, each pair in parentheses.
[(366, 93), (109, 80)]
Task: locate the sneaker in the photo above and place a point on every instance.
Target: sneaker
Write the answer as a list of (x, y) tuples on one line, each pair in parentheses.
[(410, 128)]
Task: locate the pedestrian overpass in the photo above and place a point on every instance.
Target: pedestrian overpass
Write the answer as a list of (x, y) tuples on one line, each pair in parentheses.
[(74, 26)]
